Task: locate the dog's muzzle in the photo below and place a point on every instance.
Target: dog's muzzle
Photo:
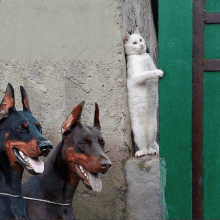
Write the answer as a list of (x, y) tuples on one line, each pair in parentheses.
[(45, 147)]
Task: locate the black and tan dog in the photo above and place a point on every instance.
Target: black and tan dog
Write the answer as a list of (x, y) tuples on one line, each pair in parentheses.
[(79, 156), (21, 143)]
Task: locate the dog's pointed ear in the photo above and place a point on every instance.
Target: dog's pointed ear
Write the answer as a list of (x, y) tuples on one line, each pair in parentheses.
[(73, 118), (96, 117), (137, 31), (8, 102), (25, 101), (126, 37)]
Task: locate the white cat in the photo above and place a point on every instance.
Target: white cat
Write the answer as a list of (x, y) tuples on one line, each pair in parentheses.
[(142, 86)]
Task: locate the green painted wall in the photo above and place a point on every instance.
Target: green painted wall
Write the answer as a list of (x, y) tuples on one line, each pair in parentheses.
[(175, 59), (212, 120)]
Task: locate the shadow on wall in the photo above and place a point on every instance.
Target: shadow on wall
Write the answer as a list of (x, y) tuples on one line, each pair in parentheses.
[(154, 5)]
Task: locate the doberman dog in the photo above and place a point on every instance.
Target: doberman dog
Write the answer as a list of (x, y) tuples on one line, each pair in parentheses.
[(79, 156), (21, 143)]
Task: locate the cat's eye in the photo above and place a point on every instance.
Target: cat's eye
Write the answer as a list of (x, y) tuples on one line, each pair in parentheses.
[(134, 42), (140, 40)]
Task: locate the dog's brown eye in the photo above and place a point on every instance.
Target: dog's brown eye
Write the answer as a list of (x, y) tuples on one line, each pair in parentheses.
[(134, 42), (102, 142), (22, 129), (88, 139), (140, 40), (83, 143), (25, 125)]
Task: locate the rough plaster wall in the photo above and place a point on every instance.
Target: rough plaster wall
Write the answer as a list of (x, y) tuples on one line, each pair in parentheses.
[(64, 52)]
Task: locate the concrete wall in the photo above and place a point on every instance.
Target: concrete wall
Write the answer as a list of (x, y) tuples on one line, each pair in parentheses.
[(144, 191), (64, 52)]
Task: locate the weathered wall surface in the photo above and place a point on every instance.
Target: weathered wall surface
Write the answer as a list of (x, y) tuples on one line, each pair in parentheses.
[(64, 52), (143, 196)]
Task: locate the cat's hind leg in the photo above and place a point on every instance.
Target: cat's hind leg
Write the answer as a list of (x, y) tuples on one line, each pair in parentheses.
[(156, 147), (139, 132), (150, 150), (151, 131), (141, 143), (144, 137)]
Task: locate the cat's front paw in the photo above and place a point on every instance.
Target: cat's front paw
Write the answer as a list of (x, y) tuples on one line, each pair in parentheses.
[(159, 73), (141, 153)]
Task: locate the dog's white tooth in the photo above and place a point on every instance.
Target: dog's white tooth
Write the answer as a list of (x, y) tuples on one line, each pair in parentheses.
[(22, 154), (81, 168)]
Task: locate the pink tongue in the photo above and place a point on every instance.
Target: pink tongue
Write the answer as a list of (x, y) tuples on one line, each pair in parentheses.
[(36, 164), (95, 182)]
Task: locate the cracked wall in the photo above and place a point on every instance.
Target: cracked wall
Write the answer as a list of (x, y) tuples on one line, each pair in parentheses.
[(64, 52)]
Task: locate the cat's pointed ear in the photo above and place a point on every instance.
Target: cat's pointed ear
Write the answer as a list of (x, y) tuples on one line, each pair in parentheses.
[(126, 37), (137, 31)]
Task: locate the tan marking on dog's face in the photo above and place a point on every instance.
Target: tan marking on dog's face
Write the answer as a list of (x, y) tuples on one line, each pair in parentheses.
[(25, 124), (30, 149), (6, 135), (90, 163)]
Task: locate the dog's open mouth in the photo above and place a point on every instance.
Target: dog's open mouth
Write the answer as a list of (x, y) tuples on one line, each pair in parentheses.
[(32, 164), (91, 180)]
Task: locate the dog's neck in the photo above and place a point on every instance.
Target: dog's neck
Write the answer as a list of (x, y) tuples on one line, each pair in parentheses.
[(64, 182), (10, 179)]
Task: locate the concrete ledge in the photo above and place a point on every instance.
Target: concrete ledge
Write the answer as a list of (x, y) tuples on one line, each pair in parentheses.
[(143, 195)]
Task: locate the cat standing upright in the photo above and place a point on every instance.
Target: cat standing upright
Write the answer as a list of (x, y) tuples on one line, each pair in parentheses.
[(142, 84)]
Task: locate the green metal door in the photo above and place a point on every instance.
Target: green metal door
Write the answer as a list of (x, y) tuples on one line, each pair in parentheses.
[(175, 59), (189, 49)]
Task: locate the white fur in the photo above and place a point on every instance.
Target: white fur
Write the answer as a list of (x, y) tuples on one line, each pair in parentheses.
[(142, 86)]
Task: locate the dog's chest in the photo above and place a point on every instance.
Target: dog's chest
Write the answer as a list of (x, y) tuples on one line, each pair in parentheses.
[(63, 212)]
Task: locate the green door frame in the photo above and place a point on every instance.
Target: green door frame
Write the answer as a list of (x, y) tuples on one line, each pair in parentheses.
[(197, 109)]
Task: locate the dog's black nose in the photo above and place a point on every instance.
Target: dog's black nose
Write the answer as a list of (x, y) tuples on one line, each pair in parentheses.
[(45, 147), (105, 164)]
